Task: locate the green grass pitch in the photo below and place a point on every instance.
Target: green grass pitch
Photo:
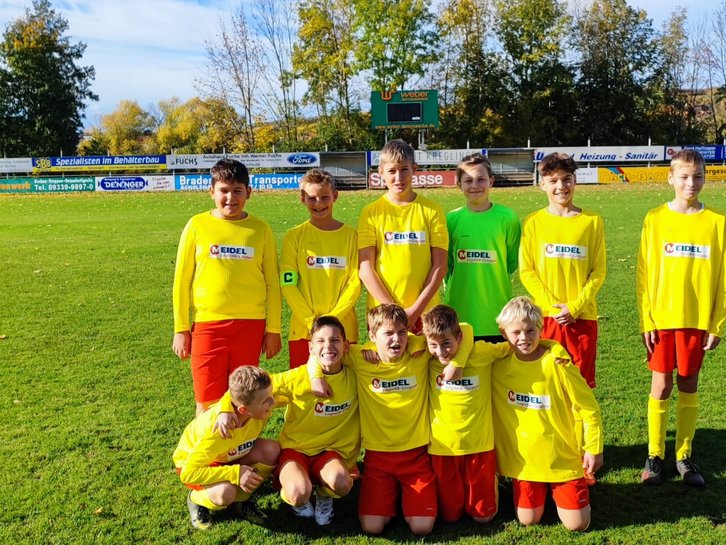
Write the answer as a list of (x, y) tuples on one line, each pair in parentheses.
[(94, 401)]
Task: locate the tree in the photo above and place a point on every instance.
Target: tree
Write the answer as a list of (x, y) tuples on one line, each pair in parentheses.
[(42, 88), (617, 48)]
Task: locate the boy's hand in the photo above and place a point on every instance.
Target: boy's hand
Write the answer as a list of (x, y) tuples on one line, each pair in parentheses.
[(371, 356), (711, 341), (249, 480), (592, 462), (649, 340), (452, 373), (320, 388), (413, 316), (271, 345), (225, 423), (564, 316), (182, 344)]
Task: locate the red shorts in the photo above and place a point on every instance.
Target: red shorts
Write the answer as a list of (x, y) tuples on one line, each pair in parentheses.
[(677, 348), (218, 348), (384, 473), (299, 352), (580, 341), (312, 465), (466, 483), (572, 495)]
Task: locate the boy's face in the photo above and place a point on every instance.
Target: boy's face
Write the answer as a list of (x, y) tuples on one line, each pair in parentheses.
[(559, 186), (397, 176), (445, 347), (261, 405), (687, 179), (328, 347), (476, 183), (230, 199), (390, 339), (319, 199), (523, 336)]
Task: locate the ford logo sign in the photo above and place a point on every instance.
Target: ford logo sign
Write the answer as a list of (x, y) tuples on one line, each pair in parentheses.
[(301, 159)]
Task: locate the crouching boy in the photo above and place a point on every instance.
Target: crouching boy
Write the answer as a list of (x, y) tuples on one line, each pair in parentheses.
[(535, 394), (224, 472)]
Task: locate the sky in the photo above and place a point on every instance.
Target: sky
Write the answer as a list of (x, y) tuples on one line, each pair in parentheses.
[(151, 50)]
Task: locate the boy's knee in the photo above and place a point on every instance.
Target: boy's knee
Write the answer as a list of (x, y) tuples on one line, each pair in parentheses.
[(297, 494), (483, 520), (528, 517), (373, 525), (342, 484), (269, 451), (223, 495), (421, 526)]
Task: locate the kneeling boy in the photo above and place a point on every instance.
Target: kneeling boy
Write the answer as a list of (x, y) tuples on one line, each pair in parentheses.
[(222, 472), (535, 393)]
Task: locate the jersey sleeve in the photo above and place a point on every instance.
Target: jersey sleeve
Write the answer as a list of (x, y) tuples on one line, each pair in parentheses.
[(597, 274), (197, 470), (718, 314), (583, 401), (437, 228), (465, 346), (513, 237), (290, 276), (349, 296), (641, 281), (527, 271), (366, 229), (272, 284), (183, 275)]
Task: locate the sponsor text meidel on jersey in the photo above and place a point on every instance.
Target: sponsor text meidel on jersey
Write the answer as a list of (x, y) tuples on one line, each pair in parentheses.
[(683, 249), (404, 237), (529, 401), (221, 251), (394, 385), (464, 384), (566, 251), (476, 256), (331, 409), (326, 262), (241, 450)]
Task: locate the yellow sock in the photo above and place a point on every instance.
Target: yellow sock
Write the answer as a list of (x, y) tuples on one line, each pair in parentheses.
[(200, 497), (686, 416), (264, 471), (326, 492), (284, 497), (657, 424)]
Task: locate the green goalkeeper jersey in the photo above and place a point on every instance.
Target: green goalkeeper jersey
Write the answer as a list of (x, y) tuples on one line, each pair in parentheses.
[(483, 253)]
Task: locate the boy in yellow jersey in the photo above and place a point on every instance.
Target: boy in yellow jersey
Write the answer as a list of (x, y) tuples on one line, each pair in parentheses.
[(402, 240), (392, 397), (562, 263), (226, 278), (535, 394), (680, 287), (320, 438), (319, 266), (460, 412), (224, 472)]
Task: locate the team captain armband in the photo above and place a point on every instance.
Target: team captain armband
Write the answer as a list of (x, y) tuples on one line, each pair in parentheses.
[(288, 278)]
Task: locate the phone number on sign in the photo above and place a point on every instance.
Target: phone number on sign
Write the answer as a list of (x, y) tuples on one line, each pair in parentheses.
[(79, 186)]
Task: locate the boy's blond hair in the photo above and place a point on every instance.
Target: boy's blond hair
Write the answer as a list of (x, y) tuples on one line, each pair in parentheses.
[(397, 151), (327, 321), (317, 176), (230, 171), (689, 157), (472, 160), (387, 313), (245, 382), (556, 161), (518, 309), (441, 321)]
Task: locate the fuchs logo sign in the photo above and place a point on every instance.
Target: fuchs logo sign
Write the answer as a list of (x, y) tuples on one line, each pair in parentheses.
[(301, 159), (331, 409), (326, 262), (476, 256), (219, 251), (464, 384), (389, 386), (404, 237), (529, 401), (565, 251), (682, 249), (241, 450)]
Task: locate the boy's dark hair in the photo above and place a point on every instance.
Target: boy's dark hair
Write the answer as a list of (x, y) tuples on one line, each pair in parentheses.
[(391, 312), (556, 161), (245, 382), (440, 321), (317, 176), (327, 321), (470, 160), (397, 151), (689, 157), (230, 171)]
